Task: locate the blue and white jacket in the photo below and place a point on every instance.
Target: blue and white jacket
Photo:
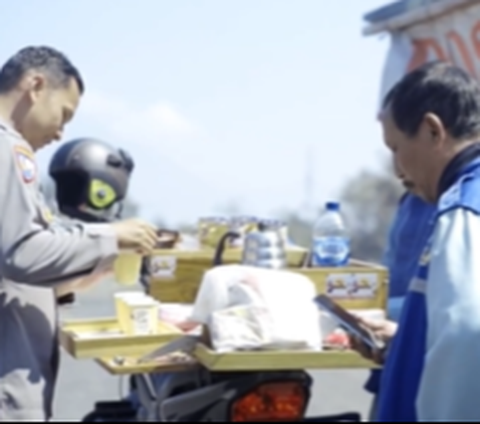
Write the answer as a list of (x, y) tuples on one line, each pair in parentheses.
[(408, 234), (432, 372)]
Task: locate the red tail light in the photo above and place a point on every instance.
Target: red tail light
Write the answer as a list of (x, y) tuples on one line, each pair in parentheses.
[(271, 402)]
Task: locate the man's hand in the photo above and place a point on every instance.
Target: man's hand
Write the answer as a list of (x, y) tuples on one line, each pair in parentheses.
[(383, 330), (136, 234)]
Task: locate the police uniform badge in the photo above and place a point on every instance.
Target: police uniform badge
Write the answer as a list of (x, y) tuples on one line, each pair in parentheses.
[(47, 215), (26, 163)]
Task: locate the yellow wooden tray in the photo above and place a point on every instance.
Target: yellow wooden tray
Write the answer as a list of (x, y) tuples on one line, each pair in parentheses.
[(295, 255), (243, 361), (131, 366), (360, 285), (99, 338), (183, 285), (177, 273), (279, 360)]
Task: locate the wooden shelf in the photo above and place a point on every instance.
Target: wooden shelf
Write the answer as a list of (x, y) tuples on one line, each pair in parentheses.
[(98, 338), (280, 360)]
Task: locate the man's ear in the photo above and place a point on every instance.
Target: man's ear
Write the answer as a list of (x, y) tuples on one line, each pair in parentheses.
[(433, 129), (34, 84)]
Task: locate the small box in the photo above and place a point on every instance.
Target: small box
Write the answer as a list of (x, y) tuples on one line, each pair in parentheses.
[(121, 306), (141, 316)]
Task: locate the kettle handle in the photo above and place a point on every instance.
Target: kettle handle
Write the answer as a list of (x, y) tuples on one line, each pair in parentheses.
[(262, 226), (218, 257)]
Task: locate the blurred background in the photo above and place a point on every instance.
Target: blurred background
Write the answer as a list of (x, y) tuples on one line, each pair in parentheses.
[(259, 107)]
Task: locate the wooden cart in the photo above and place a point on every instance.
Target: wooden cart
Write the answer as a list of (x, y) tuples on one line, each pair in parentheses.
[(118, 354), (358, 286), (177, 276), (177, 273)]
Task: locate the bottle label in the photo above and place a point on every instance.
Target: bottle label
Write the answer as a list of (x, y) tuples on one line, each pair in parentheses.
[(331, 251)]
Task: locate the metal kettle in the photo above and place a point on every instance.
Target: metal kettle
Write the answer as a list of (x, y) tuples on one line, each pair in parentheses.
[(262, 248)]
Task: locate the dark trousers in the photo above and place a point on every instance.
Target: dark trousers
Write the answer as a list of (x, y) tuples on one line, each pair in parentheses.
[(373, 414)]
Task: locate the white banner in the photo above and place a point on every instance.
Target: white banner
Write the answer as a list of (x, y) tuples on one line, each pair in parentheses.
[(454, 36)]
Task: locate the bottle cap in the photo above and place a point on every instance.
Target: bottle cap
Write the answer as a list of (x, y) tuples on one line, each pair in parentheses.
[(333, 206)]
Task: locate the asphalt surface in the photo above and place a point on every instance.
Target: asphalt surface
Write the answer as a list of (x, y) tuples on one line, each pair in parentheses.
[(82, 382)]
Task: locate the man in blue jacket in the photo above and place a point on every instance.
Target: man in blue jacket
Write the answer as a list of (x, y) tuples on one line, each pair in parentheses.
[(407, 237), (431, 373)]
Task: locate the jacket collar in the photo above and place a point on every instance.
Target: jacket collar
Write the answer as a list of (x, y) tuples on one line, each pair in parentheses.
[(457, 166)]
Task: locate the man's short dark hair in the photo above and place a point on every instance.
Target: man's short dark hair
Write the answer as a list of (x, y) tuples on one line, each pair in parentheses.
[(439, 88), (56, 66)]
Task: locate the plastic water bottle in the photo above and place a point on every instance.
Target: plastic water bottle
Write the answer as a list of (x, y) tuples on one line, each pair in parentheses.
[(331, 244)]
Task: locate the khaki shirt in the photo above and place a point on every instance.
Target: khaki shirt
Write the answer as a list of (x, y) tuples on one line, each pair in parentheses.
[(37, 253)]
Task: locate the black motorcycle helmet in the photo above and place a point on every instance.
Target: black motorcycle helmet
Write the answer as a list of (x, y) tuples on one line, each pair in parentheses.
[(91, 178)]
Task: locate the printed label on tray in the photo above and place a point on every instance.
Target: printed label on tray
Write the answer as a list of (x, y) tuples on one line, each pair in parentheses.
[(360, 285), (163, 266)]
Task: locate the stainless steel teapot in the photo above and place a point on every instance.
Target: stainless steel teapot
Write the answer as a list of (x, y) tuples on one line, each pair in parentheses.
[(264, 247)]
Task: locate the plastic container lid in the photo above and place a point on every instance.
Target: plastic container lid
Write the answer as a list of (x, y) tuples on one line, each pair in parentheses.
[(130, 294), (140, 301), (333, 206)]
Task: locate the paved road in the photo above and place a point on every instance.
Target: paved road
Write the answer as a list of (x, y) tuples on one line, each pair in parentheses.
[(83, 382)]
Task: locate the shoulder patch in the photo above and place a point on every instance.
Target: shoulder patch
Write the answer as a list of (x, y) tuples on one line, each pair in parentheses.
[(47, 215), (26, 163)]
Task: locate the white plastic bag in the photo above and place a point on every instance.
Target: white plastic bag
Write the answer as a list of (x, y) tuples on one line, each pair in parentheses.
[(246, 327), (256, 308)]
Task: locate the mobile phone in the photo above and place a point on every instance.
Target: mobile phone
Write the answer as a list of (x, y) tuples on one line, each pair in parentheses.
[(348, 322)]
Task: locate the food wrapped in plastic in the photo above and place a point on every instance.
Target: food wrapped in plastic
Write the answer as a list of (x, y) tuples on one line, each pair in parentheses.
[(255, 308)]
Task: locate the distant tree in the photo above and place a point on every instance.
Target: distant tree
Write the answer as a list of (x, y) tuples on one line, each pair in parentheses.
[(369, 201), (299, 229)]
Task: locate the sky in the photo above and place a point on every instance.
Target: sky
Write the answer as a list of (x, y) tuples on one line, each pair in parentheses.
[(219, 102)]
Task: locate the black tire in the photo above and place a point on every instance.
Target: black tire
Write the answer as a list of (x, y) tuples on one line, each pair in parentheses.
[(348, 417), (92, 417)]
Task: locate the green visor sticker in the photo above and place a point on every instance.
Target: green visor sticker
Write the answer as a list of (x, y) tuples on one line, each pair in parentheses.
[(101, 194)]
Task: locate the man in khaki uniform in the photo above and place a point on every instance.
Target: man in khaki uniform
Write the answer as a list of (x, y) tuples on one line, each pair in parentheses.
[(39, 92)]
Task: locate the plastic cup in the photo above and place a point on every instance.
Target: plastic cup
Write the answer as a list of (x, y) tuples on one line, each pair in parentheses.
[(127, 268)]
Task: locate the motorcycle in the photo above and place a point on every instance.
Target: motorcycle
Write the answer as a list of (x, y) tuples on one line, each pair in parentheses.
[(199, 395), (202, 396)]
